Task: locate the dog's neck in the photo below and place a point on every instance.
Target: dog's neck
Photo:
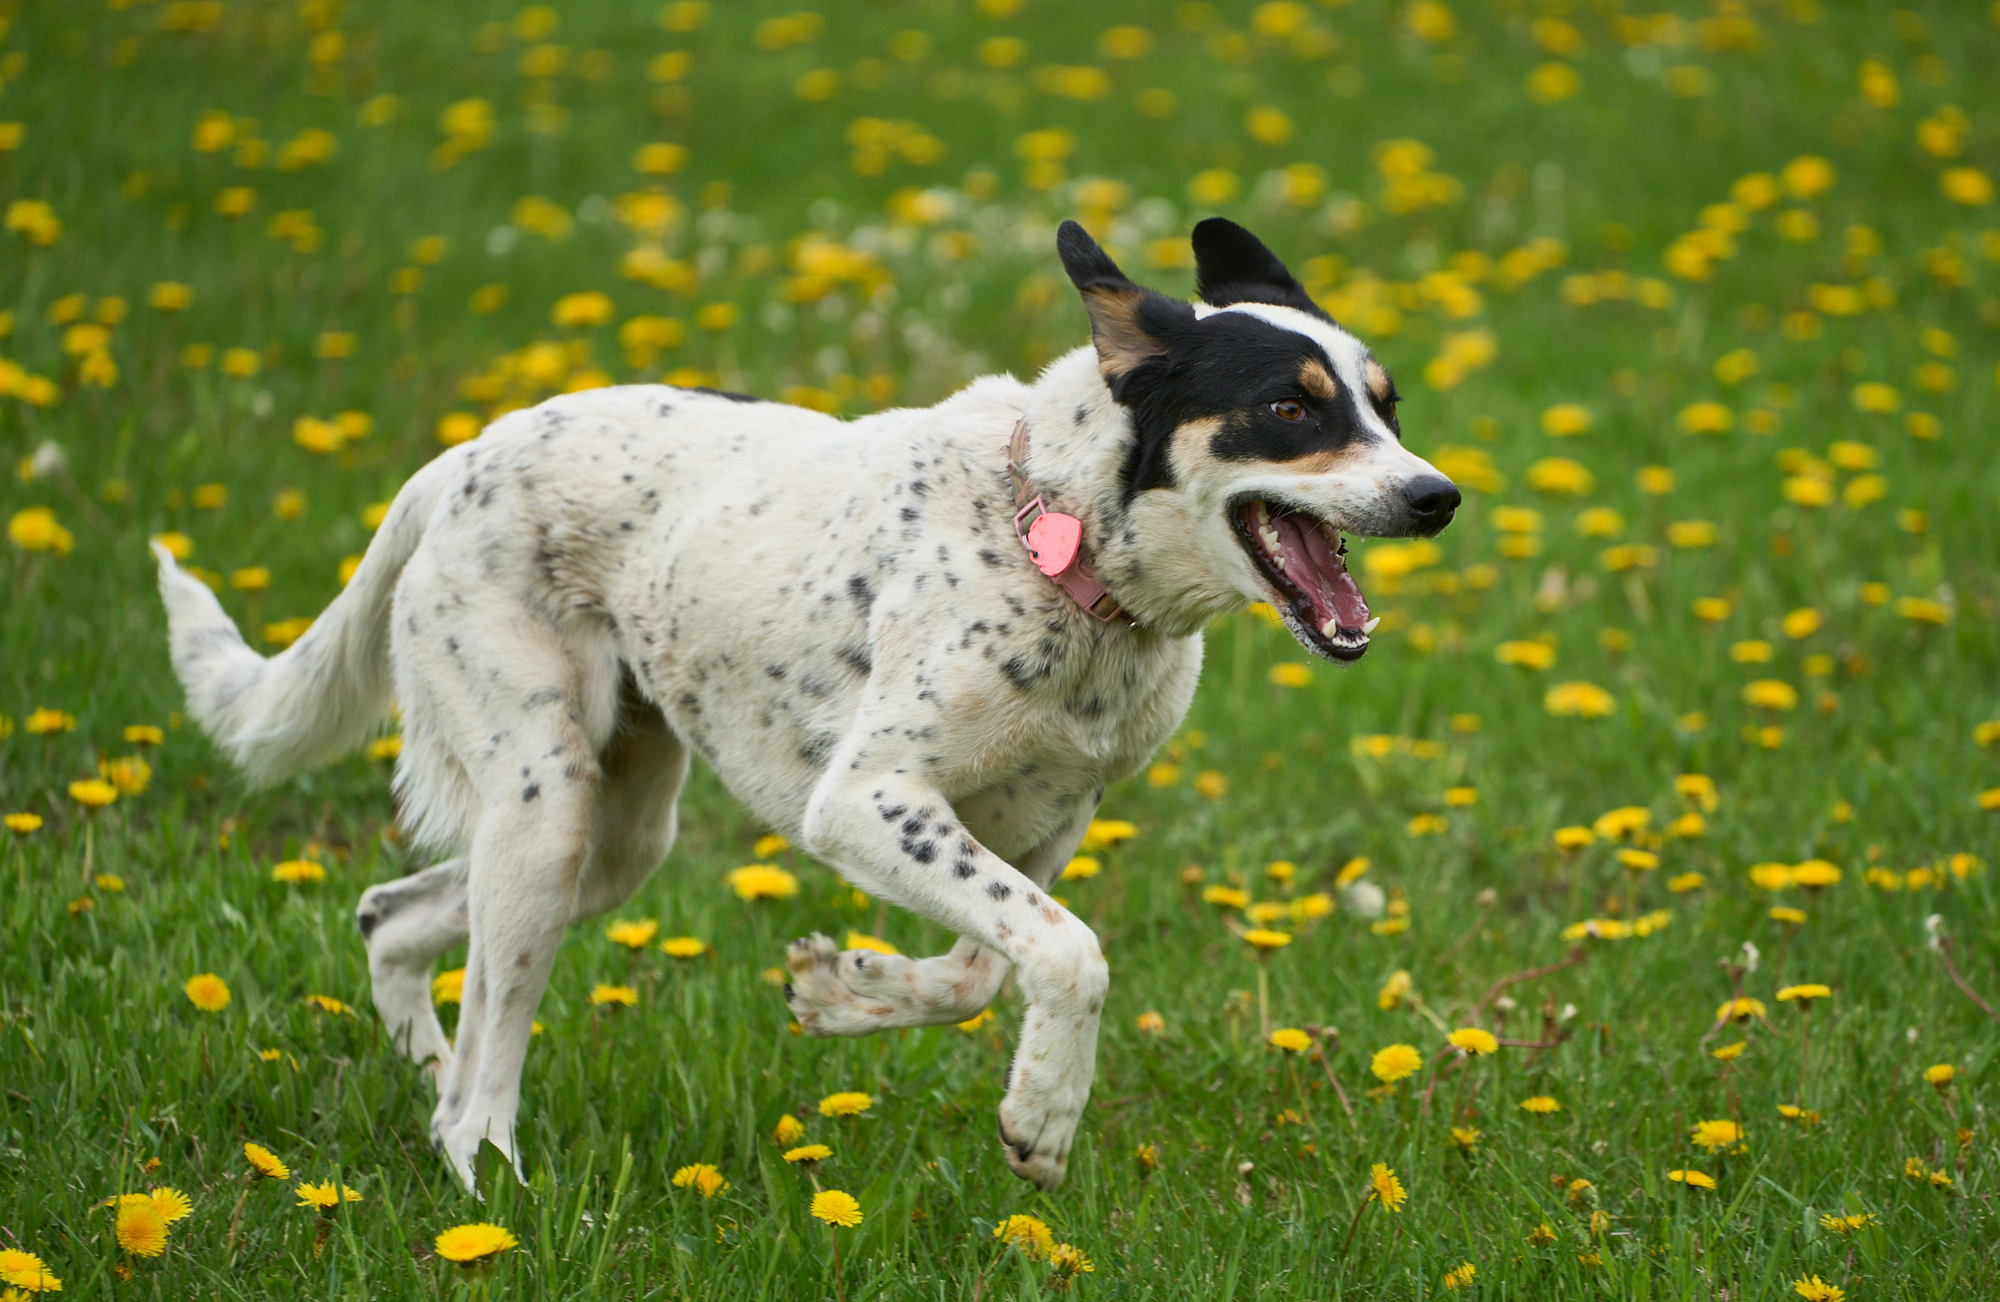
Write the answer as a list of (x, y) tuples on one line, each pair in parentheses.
[(1147, 551)]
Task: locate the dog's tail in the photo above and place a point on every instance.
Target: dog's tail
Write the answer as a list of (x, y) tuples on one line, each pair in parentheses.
[(320, 696)]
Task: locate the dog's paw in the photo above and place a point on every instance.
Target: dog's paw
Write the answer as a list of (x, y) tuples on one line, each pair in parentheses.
[(1036, 1142), (839, 993)]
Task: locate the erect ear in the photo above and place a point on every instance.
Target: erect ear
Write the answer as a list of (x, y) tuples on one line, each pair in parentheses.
[(1115, 304), (1233, 266)]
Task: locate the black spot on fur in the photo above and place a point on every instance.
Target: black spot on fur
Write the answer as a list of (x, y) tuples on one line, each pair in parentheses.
[(858, 658), (531, 792), (999, 890), (863, 595), (963, 869)]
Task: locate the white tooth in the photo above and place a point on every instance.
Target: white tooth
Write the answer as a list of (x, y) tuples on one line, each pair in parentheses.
[(1331, 628), (1271, 539), (1369, 627)]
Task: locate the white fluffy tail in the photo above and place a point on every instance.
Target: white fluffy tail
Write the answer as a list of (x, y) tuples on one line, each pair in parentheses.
[(321, 696)]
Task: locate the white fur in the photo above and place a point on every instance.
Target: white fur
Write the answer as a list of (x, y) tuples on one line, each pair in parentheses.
[(836, 616)]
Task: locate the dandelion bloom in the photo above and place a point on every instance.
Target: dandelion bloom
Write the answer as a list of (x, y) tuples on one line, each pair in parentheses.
[(1150, 1023), (22, 824), (1293, 1040), (1579, 700), (1814, 1289), (448, 987), (1542, 1235), (1686, 882), (1804, 994), (1741, 1009), (24, 1270), (1466, 1137), (1267, 941), (632, 935), (762, 881), (1395, 1062), (682, 947), (1067, 1261), (1574, 838), (207, 992), (1717, 1134), (1784, 913), (1816, 873), (1081, 868), (1541, 1104), (328, 1004), (1383, 1184), (294, 872), (1106, 832), (1692, 1179), (1026, 1233), (144, 734), (141, 1230), (858, 940), (93, 793), (1393, 990), (1941, 1075), (1461, 1277), (623, 996), (836, 1208), (1729, 1052), (847, 1103), (1474, 1040), (1227, 897), (325, 1196), (469, 1245), (703, 1177), (808, 1153), (266, 1162), (789, 1130)]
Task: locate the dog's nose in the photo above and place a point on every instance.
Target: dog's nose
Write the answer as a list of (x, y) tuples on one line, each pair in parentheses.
[(1432, 499)]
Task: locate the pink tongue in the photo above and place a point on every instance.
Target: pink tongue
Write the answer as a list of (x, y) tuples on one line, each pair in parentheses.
[(1321, 573)]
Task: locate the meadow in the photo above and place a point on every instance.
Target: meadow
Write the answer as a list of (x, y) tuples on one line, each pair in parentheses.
[(1637, 891)]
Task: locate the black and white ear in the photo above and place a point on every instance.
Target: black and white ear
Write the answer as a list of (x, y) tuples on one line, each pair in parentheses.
[(1115, 304), (1232, 266)]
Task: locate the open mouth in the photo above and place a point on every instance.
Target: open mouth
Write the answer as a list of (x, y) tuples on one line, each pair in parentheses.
[(1303, 559)]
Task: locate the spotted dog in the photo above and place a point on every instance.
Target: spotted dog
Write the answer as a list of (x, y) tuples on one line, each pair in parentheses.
[(842, 620)]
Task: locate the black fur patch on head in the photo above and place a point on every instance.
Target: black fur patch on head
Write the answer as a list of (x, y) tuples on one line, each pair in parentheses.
[(1168, 367), (1232, 266)]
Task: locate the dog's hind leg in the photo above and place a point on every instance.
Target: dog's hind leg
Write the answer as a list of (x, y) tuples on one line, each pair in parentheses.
[(644, 766), (859, 991), (407, 923)]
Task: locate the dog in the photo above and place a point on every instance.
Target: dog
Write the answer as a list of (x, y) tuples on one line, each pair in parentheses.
[(919, 644)]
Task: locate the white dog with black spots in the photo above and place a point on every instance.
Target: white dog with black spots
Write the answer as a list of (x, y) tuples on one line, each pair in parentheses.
[(841, 618)]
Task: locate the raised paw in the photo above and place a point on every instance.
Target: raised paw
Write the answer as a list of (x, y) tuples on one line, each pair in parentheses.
[(840, 993), (1035, 1143)]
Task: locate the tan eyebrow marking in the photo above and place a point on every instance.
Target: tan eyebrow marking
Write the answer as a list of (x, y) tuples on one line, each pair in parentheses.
[(1378, 380), (1316, 380)]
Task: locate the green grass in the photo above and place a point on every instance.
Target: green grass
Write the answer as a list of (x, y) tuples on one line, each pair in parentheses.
[(106, 1065)]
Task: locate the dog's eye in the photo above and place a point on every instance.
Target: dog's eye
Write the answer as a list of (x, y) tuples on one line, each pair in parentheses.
[(1288, 410)]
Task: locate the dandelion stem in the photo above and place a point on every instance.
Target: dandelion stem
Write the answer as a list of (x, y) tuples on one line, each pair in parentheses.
[(236, 1219), (1305, 1106), (1577, 955), (1805, 1046), (839, 1290), (88, 824), (1944, 952), (1355, 1224), (1326, 1064), (1263, 999)]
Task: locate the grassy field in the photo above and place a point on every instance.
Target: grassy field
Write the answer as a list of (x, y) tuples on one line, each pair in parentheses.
[(1702, 307)]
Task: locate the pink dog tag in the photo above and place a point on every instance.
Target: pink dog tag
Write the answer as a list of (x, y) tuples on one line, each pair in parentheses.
[(1053, 540)]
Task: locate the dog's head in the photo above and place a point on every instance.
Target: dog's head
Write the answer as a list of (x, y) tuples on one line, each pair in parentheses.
[(1275, 428)]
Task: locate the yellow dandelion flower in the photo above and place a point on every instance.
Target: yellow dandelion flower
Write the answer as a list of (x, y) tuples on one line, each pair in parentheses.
[(1729, 1052), (633, 935), (1473, 1040), (1804, 994), (1461, 1277), (836, 1208), (619, 996), (1266, 941), (683, 947), (93, 793), (1692, 1179), (760, 881), (1540, 1104), (1466, 1137), (326, 1196), (1814, 1289), (1712, 1135), (171, 1203), (1383, 1184), (469, 1245), (1941, 1075), (1150, 1023), (141, 1230), (1291, 1040), (847, 1103), (702, 1177), (808, 1153), (1068, 1261), (23, 823), (295, 872), (207, 992), (24, 1270), (1027, 1233), (1395, 1062), (266, 1162)]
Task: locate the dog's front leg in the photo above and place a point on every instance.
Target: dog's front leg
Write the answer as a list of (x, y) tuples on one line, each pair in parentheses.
[(896, 836)]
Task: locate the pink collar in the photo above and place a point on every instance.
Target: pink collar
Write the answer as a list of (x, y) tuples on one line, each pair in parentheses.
[(1055, 541)]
